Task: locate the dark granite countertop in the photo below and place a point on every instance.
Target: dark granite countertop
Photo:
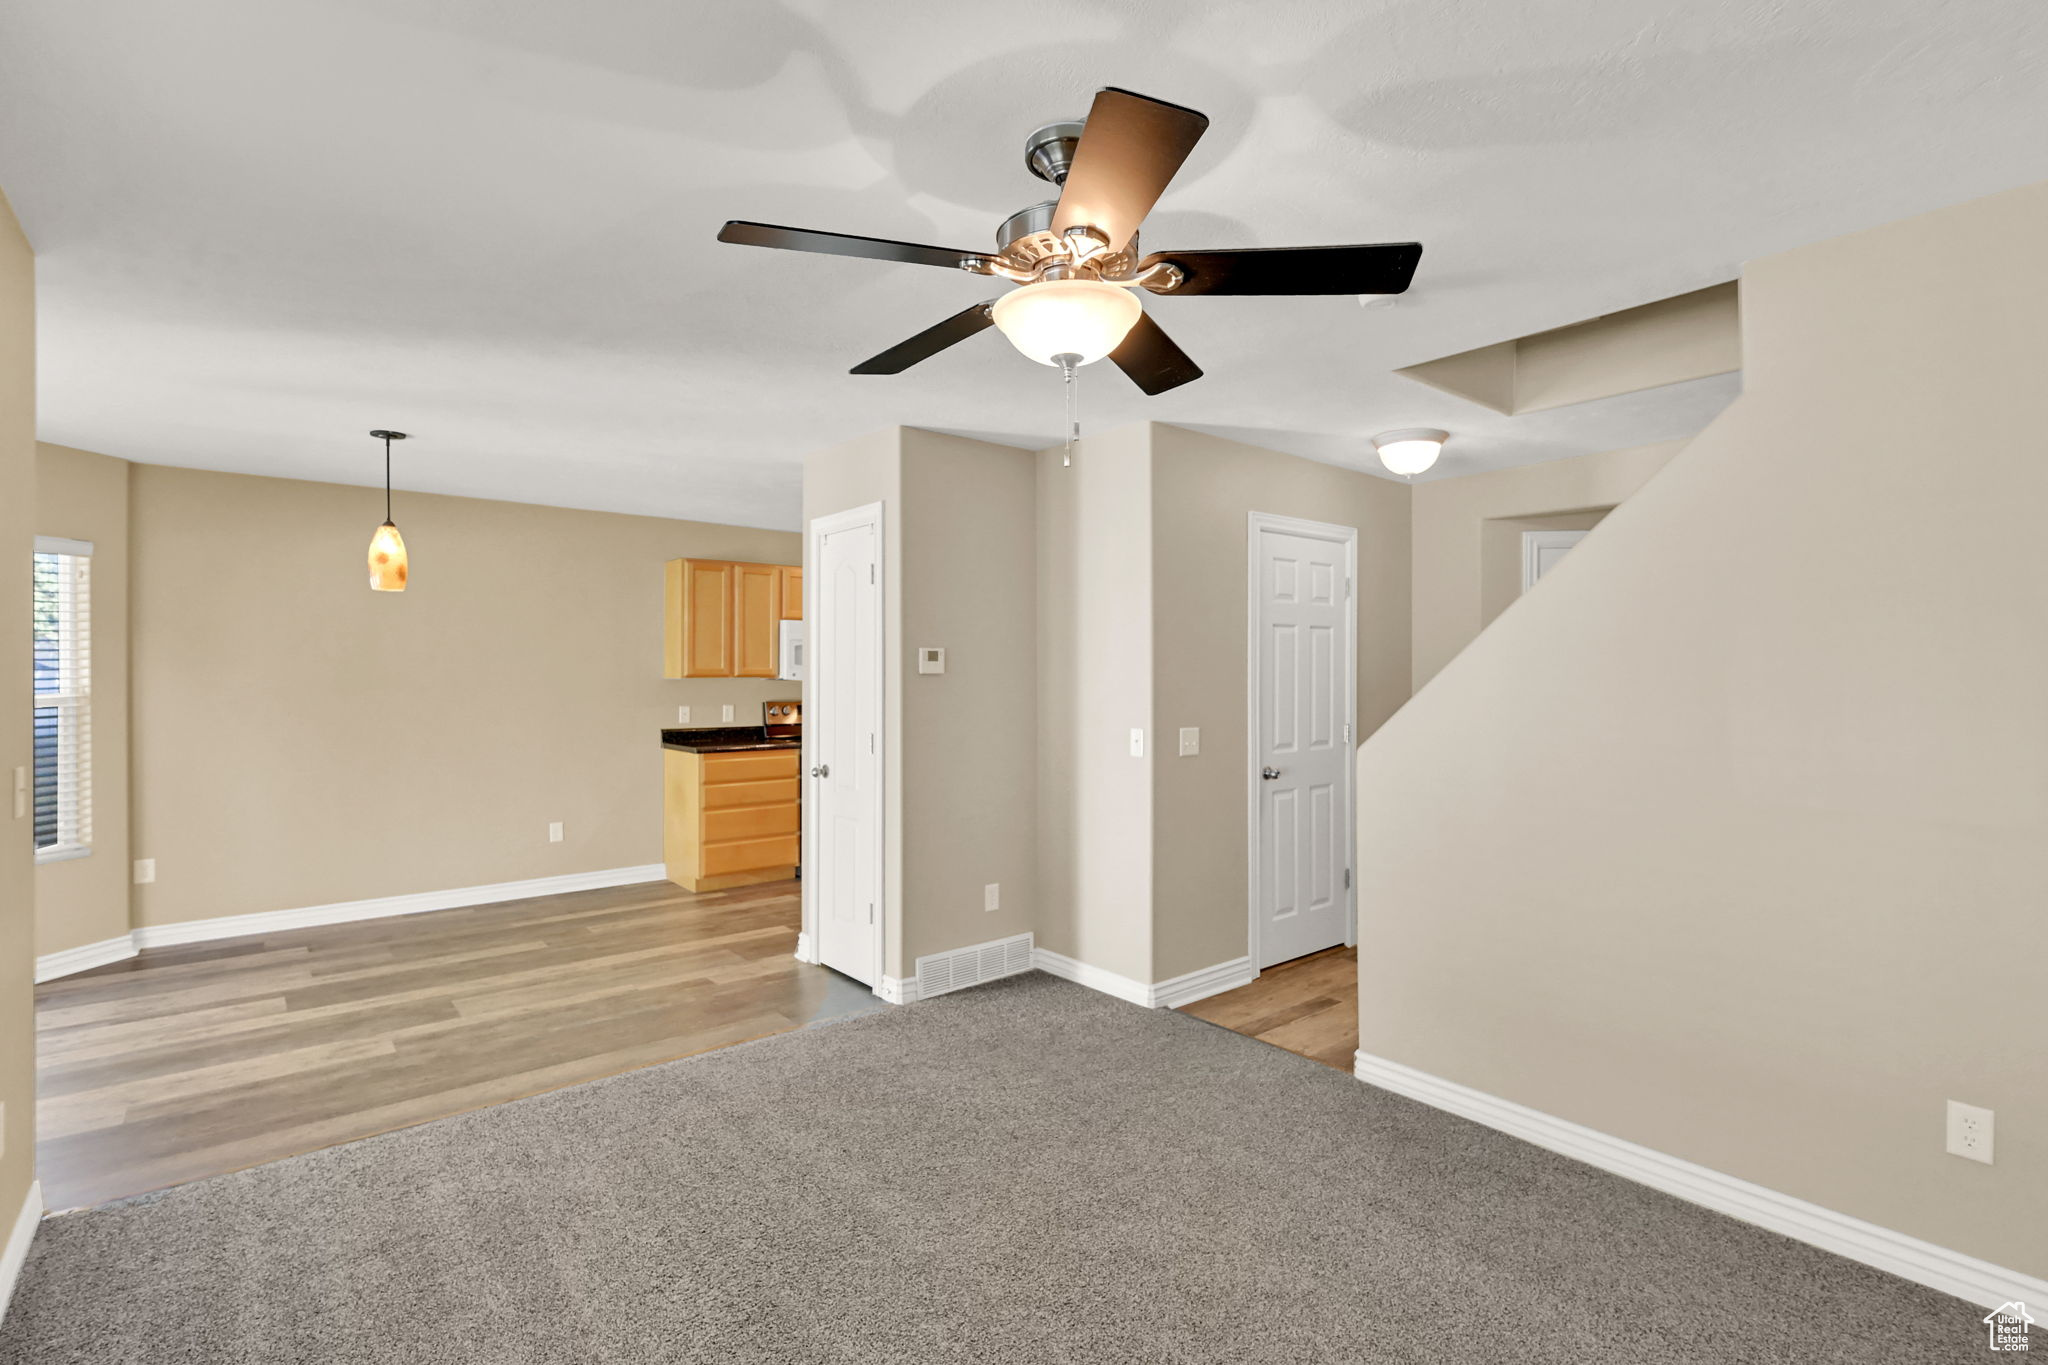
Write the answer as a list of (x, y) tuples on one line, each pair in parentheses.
[(723, 739)]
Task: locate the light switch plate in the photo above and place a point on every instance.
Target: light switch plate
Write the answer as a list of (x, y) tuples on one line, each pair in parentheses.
[(682, 715), (931, 659), (145, 871), (992, 896), (555, 831), (1190, 741), (728, 715), (1137, 744)]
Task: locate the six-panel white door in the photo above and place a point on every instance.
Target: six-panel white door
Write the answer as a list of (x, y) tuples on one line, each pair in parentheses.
[(1303, 746), (842, 724)]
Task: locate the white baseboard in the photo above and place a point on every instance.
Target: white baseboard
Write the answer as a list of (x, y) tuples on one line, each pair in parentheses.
[(1909, 1258), (1170, 994), (1094, 978), (898, 990), (340, 912), (18, 1240), (1200, 985), (50, 966)]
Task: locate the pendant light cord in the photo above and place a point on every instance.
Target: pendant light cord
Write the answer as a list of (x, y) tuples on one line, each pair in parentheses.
[(387, 480)]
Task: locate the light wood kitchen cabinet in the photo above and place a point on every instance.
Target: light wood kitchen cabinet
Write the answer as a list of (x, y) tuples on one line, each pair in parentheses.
[(757, 619), (730, 819), (723, 619)]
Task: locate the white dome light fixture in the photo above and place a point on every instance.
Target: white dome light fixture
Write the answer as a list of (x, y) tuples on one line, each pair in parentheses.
[(1411, 450), (1082, 319)]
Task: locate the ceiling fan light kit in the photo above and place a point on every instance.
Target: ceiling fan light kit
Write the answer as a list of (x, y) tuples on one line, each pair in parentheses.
[(1111, 169)]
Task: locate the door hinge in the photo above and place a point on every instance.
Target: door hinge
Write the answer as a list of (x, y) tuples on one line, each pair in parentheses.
[(871, 573), (1347, 732), (1347, 879), (871, 909), (1347, 588), (871, 743)]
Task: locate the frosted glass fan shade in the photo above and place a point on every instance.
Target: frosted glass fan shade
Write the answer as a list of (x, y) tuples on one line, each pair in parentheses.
[(1083, 318), (387, 559)]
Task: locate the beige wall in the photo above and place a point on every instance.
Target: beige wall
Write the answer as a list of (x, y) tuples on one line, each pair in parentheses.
[(1450, 525), (968, 735), (1741, 856), (1202, 493), (83, 496), (959, 807), (17, 866), (1094, 688), (300, 740)]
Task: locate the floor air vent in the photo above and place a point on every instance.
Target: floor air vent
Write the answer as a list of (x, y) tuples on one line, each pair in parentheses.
[(942, 972)]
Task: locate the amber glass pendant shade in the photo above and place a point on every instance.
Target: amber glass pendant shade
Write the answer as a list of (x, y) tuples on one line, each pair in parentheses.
[(387, 559), (387, 547)]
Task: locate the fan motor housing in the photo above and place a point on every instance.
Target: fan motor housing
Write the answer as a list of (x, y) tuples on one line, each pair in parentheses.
[(1027, 242)]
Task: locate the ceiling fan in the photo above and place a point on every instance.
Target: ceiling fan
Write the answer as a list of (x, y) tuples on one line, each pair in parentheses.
[(1076, 259)]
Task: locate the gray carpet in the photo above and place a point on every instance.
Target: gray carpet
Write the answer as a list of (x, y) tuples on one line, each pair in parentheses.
[(1026, 1172)]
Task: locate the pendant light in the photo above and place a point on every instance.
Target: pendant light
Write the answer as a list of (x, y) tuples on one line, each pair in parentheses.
[(387, 547)]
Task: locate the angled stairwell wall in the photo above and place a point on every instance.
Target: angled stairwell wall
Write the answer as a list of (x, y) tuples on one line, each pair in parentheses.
[(1733, 841)]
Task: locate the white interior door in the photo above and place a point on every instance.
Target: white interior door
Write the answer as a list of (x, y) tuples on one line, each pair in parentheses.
[(1543, 551), (843, 738), (1302, 694)]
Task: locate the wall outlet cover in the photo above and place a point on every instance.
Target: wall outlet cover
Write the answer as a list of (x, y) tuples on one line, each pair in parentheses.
[(682, 715), (1190, 741), (728, 714), (992, 896), (555, 832), (1969, 1132), (1137, 743), (145, 871)]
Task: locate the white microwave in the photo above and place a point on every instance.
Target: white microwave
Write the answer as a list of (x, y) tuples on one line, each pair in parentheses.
[(792, 656)]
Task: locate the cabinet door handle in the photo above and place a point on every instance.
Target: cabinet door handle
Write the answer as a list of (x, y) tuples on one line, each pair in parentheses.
[(822, 770)]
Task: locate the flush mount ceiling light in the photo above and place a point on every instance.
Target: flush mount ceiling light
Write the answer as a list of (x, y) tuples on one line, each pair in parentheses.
[(1110, 169), (1410, 451), (387, 547)]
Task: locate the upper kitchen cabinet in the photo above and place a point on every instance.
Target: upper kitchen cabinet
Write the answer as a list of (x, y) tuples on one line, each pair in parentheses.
[(723, 620), (757, 619)]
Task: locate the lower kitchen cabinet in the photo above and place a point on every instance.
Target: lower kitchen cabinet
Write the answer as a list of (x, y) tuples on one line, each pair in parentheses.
[(730, 819)]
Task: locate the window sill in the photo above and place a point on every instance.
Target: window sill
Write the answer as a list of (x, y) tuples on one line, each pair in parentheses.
[(61, 854)]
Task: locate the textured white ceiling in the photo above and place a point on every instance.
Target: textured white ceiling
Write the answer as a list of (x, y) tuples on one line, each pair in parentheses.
[(266, 226)]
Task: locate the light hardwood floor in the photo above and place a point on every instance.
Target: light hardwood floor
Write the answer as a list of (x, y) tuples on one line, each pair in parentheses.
[(193, 1061), (1308, 1006)]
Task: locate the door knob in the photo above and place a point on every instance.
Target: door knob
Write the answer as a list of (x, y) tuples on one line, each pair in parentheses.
[(1269, 773), (822, 770)]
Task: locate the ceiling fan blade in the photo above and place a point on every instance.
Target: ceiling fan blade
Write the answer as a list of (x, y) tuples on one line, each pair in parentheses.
[(1147, 354), (929, 342), (1381, 268), (839, 244), (1130, 148)]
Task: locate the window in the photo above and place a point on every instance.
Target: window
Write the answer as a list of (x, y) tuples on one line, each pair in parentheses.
[(63, 698)]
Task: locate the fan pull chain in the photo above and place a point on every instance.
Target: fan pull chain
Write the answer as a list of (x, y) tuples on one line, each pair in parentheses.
[(1067, 368)]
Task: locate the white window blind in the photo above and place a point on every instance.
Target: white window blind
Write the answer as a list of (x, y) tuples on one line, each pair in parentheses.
[(63, 698)]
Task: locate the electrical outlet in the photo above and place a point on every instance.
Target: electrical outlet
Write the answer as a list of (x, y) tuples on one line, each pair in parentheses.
[(992, 896), (145, 871), (1190, 741), (555, 832), (1137, 744), (1969, 1132), (728, 715), (682, 715)]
